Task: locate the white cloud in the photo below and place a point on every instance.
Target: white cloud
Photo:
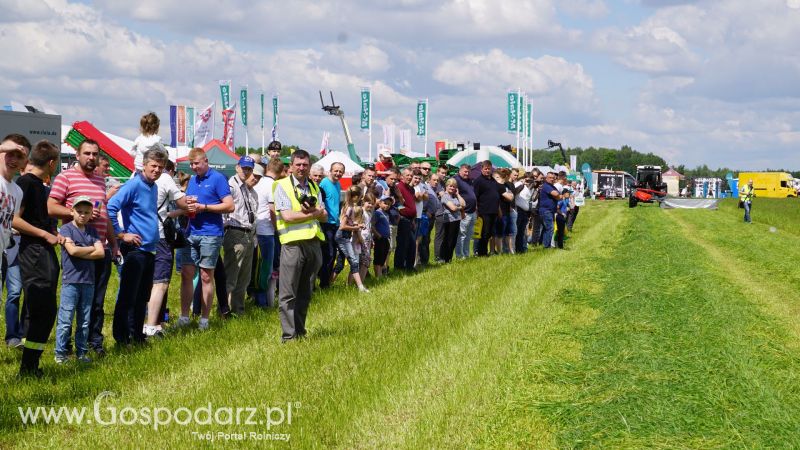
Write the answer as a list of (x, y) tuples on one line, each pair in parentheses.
[(593, 9)]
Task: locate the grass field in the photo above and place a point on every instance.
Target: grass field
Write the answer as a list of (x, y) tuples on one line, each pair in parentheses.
[(654, 329)]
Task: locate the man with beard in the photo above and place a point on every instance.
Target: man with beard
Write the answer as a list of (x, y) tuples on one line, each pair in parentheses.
[(70, 184)]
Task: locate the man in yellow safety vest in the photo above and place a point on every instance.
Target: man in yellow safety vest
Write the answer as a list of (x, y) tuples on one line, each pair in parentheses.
[(746, 197), (299, 211)]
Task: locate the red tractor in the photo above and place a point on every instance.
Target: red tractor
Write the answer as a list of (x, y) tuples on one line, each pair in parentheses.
[(648, 188)]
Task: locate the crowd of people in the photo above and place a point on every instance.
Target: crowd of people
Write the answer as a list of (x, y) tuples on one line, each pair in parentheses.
[(267, 234)]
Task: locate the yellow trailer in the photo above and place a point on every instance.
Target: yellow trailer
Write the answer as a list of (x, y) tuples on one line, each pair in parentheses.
[(769, 184)]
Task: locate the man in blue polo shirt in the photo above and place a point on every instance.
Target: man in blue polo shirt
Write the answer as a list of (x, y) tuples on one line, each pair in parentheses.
[(208, 197), (136, 200), (548, 199), (332, 198)]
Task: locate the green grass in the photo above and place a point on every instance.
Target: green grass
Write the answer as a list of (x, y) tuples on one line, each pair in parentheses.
[(654, 329), (783, 214)]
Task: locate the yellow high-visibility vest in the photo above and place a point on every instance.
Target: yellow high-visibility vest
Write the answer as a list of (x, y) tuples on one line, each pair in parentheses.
[(296, 231)]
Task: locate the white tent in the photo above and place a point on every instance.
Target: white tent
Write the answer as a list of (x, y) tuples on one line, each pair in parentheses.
[(350, 167)]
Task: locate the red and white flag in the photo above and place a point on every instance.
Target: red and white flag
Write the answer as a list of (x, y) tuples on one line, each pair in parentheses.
[(323, 147), (229, 126), (204, 126)]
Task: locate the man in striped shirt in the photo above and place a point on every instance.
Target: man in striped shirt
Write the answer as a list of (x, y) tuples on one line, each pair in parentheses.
[(69, 185)]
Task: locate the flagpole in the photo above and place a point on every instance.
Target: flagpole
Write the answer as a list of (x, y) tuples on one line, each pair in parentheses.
[(427, 117), (517, 112), (522, 128), (369, 151)]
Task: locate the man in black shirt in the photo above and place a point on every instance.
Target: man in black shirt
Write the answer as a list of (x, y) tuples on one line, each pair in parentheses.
[(38, 263), (488, 196)]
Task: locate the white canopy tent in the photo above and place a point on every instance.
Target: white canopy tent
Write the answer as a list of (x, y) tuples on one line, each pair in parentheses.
[(350, 167)]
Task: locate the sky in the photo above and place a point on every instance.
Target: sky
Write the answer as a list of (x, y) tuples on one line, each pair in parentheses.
[(696, 82)]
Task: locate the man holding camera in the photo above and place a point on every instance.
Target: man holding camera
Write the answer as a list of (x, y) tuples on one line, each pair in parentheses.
[(239, 237), (299, 211)]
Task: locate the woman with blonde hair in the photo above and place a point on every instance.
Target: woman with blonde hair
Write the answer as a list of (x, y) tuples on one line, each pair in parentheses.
[(348, 226)]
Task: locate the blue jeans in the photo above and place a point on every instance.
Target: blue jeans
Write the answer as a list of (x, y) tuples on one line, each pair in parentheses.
[(266, 245), (747, 206), (102, 272), (547, 225), (345, 244), (521, 239), (14, 328), (466, 228), (406, 249), (329, 254), (76, 301)]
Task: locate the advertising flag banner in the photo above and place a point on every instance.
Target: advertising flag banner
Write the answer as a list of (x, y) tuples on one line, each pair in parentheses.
[(262, 110), (225, 93), (229, 126), (243, 105), (181, 125), (366, 98), (275, 117), (204, 126), (190, 126), (173, 111), (422, 118), (528, 116), (323, 147), (513, 108)]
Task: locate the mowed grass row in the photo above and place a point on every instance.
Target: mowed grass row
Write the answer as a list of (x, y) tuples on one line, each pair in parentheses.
[(679, 356), (428, 360)]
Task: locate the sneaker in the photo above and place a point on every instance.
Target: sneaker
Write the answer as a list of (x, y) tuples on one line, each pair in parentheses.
[(149, 330), (61, 359), (183, 321), (84, 359), (14, 343), (100, 352), (363, 289), (203, 325)]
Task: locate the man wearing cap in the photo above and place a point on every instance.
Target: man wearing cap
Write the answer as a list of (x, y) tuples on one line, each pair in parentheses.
[(208, 197), (274, 150), (384, 163), (239, 237), (138, 237)]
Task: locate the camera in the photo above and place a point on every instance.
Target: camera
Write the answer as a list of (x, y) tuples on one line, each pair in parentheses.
[(308, 201)]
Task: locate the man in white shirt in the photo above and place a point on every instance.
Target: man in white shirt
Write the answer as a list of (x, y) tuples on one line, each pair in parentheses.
[(239, 232), (265, 233), (168, 192)]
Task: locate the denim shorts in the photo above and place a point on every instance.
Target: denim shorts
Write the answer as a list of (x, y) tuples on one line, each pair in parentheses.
[(205, 250), (183, 257), (503, 226), (163, 263)]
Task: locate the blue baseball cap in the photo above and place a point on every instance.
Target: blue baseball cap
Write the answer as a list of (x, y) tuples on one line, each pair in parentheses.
[(246, 161)]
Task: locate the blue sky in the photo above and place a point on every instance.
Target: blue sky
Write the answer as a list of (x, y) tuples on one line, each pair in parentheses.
[(697, 82)]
